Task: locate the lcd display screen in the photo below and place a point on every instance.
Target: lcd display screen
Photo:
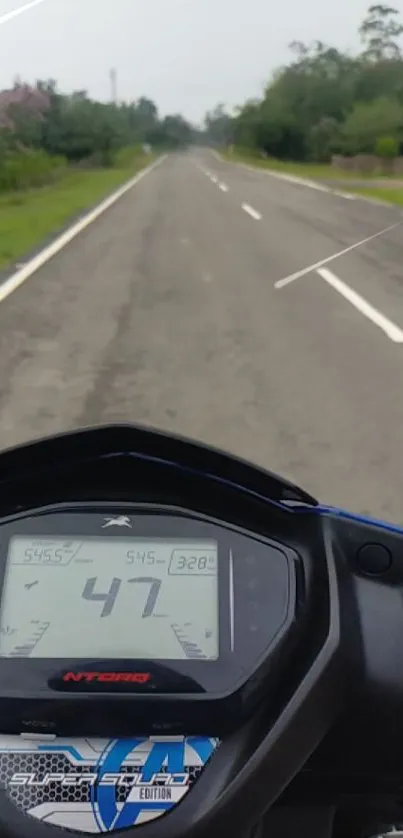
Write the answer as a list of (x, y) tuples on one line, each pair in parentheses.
[(110, 598)]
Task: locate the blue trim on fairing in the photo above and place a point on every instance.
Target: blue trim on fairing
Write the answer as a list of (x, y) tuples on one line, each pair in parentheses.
[(336, 512), (284, 506)]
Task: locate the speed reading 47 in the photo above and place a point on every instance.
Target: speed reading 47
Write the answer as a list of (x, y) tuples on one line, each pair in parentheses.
[(109, 597)]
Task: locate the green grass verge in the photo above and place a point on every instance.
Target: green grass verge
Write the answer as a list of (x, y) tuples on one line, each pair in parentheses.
[(27, 218), (324, 172), (392, 196), (308, 170)]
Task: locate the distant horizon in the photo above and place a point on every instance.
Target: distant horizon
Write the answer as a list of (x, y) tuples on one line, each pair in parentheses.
[(186, 57), (32, 85)]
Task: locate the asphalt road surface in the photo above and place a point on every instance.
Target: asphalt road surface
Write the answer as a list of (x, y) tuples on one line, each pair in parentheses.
[(165, 311)]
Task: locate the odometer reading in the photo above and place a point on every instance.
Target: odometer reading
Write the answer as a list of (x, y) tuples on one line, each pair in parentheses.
[(110, 598), (52, 553), (195, 562)]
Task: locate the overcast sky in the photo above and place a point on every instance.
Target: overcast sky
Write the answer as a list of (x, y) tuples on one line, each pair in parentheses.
[(187, 55)]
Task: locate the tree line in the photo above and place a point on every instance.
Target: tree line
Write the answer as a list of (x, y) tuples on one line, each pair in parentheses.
[(326, 101), (43, 130)]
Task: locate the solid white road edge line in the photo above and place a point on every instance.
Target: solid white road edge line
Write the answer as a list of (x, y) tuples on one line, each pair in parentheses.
[(10, 15), (300, 181), (252, 212), (311, 184), (348, 196), (298, 274), (223, 187), (17, 278), (391, 330), (295, 179)]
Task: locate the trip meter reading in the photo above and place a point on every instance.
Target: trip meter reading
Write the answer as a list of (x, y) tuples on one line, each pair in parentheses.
[(110, 598)]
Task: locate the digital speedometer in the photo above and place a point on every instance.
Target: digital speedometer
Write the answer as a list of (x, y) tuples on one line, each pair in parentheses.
[(172, 617), (110, 598)]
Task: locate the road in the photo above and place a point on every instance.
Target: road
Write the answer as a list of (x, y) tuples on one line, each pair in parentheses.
[(165, 311)]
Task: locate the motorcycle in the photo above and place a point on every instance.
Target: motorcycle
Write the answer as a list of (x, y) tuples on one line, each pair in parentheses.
[(192, 647)]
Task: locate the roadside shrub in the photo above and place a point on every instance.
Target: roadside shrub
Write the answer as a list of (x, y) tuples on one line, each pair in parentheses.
[(27, 169), (127, 155), (387, 148)]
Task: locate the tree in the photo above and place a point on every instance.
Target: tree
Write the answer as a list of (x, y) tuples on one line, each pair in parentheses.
[(145, 118), (301, 104), (387, 148), (176, 131), (325, 139), (380, 32), (79, 128), (218, 126), (379, 78), (324, 100), (364, 124), (246, 124)]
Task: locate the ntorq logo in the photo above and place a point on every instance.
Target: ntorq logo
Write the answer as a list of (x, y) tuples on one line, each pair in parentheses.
[(108, 677)]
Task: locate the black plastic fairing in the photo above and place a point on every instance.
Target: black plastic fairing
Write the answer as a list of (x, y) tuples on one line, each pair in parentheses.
[(362, 754), (58, 454), (253, 765)]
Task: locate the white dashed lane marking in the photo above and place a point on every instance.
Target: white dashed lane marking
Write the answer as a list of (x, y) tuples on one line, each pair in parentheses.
[(252, 212)]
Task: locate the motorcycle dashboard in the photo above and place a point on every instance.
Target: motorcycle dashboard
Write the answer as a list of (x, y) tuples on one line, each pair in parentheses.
[(154, 588), (104, 611)]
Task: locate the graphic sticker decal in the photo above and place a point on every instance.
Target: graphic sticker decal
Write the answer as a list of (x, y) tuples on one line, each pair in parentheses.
[(101, 785)]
